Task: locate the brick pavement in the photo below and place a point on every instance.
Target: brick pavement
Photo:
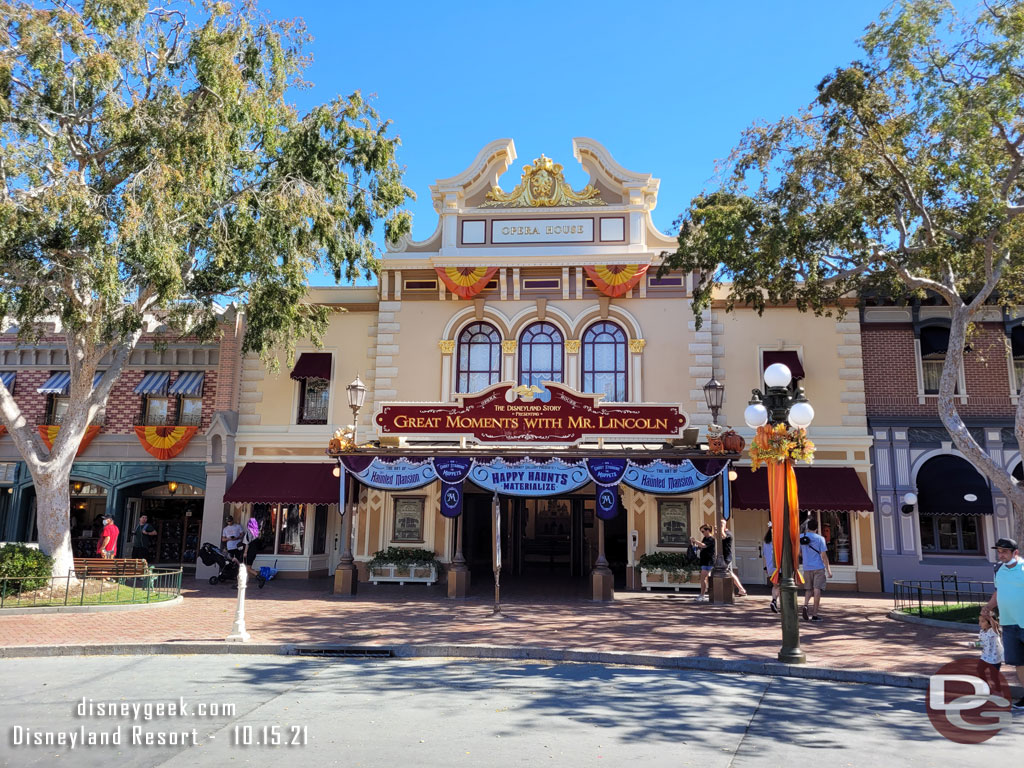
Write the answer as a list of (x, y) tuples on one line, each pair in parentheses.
[(856, 635)]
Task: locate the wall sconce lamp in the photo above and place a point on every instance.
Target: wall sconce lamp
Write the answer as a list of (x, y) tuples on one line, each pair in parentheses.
[(172, 487), (76, 487), (909, 502)]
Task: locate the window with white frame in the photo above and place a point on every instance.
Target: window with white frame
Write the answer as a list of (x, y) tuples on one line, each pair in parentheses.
[(478, 358), (541, 354), (604, 361), (1017, 350), (934, 341)]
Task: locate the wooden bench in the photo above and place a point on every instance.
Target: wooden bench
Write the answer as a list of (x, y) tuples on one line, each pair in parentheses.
[(97, 566)]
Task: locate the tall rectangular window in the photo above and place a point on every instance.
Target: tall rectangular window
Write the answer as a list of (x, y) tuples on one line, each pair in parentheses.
[(313, 401), (154, 410), (190, 411)]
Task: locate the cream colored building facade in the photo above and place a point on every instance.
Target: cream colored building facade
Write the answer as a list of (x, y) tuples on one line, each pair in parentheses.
[(408, 338)]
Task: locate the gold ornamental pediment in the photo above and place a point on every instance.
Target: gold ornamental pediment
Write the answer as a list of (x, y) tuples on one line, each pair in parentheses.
[(543, 186)]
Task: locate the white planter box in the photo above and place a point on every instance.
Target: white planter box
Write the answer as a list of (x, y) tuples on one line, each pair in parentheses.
[(415, 574), (669, 580)]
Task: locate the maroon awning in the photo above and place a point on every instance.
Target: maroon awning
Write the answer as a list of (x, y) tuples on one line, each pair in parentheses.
[(313, 365), (820, 489), (284, 483), (788, 357)]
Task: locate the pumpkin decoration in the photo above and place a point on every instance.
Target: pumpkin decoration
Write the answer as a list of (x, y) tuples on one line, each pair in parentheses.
[(733, 442)]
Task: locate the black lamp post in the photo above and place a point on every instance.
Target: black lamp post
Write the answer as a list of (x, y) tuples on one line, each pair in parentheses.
[(721, 582), (779, 405)]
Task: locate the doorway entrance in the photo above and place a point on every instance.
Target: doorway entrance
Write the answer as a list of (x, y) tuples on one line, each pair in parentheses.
[(544, 541)]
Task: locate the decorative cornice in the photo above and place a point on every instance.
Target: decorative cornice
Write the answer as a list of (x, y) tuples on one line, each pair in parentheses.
[(508, 346), (572, 346), (447, 346), (543, 185), (637, 345)]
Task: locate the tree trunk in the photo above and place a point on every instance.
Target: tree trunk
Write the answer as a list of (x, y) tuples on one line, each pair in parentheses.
[(53, 515), (997, 475)]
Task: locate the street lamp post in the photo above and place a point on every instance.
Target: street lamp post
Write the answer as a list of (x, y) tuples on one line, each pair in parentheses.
[(779, 405), (345, 577), (721, 583)]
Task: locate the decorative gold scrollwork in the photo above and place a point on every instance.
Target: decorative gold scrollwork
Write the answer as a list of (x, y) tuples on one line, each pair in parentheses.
[(637, 345), (543, 186), (572, 346), (447, 346), (508, 346)]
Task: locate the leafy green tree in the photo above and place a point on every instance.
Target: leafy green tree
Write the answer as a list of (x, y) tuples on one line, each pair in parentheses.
[(152, 168), (903, 176)]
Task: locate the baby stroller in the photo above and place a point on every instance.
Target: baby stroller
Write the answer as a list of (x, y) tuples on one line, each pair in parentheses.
[(211, 554)]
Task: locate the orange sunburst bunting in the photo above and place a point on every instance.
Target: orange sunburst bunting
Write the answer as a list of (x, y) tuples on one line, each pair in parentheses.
[(49, 433), (616, 279), (465, 282), (165, 442)]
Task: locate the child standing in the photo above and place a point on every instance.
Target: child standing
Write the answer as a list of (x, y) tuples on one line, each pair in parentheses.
[(990, 641)]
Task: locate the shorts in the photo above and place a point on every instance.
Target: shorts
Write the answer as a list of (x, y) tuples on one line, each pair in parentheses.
[(707, 567), (815, 580), (1013, 645)]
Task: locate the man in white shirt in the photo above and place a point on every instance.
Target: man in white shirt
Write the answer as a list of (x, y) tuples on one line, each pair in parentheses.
[(814, 551), (231, 535)]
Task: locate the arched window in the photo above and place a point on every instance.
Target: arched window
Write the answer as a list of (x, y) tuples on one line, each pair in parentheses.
[(604, 361), (540, 354), (479, 358)]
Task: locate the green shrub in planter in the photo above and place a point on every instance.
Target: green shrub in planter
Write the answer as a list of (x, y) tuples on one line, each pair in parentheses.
[(670, 562), (17, 562), (403, 556)]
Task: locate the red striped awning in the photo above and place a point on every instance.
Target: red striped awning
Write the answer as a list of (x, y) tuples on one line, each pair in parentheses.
[(820, 489), (284, 483)]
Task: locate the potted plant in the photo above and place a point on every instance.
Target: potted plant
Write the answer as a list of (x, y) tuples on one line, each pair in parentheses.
[(667, 569), (402, 564)]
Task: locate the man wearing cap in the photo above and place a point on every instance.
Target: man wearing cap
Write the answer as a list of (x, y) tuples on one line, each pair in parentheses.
[(1009, 597), (107, 546)]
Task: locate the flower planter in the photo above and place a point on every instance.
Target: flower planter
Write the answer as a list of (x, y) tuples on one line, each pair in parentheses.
[(669, 579), (415, 574)]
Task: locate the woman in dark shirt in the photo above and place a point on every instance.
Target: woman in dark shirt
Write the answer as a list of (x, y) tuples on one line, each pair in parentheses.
[(706, 548)]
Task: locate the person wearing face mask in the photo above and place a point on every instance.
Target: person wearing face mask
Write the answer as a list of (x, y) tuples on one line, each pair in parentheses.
[(1008, 597)]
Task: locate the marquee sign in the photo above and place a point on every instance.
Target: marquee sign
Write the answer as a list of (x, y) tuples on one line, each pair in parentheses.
[(550, 413)]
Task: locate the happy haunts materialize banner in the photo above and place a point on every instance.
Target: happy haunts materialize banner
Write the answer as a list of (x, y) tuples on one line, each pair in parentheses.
[(527, 477)]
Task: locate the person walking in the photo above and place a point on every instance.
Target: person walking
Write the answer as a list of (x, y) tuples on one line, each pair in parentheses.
[(814, 553), (768, 552), (1008, 598), (706, 551), (727, 556), (106, 547), (142, 538), (250, 546), (231, 536)]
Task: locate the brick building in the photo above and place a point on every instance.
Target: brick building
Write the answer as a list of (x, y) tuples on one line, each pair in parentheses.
[(957, 515), (152, 449)]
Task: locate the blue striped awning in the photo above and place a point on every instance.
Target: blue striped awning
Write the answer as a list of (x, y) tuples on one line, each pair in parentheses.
[(188, 383), (153, 383), (8, 378), (57, 384)]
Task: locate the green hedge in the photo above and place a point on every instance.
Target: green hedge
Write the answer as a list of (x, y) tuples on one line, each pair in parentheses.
[(17, 562), (403, 556), (670, 561)]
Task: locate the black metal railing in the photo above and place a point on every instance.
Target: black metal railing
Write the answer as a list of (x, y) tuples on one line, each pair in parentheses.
[(925, 597), (156, 585)]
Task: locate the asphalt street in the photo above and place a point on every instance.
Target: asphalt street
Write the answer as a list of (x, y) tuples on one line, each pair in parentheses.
[(268, 710)]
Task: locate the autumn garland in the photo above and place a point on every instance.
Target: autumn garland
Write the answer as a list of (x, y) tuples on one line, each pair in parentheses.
[(779, 443)]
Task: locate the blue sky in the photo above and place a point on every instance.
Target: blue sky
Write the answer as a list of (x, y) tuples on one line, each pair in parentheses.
[(667, 87)]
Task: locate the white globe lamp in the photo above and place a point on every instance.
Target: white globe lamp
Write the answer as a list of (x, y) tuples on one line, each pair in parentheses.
[(801, 415), (777, 375), (755, 415)]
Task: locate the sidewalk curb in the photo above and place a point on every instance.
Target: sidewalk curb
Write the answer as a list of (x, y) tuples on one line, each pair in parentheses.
[(900, 616), (701, 663), (42, 611)]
